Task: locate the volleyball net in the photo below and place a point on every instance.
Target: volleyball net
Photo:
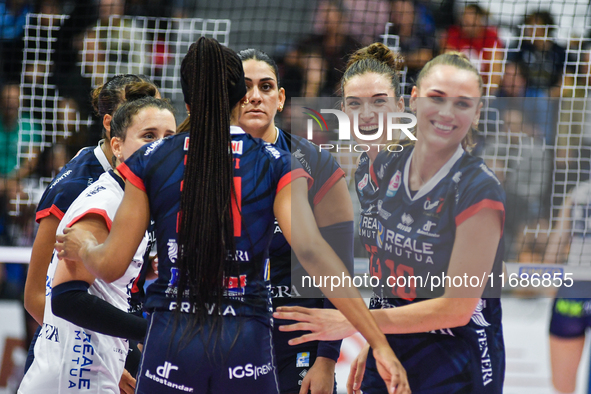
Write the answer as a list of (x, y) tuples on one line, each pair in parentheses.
[(534, 57)]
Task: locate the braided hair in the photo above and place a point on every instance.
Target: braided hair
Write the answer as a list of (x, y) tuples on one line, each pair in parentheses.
[(212, 79)]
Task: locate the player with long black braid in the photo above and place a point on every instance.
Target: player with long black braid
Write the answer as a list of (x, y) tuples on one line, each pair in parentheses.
[(232, 351)]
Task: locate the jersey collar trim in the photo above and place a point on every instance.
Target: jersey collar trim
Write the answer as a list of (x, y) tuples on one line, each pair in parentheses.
[(236, 130), (100, 155), (117, 179), (431, 183)]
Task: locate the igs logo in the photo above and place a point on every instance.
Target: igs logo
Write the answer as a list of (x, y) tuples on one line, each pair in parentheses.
[(391, 123)]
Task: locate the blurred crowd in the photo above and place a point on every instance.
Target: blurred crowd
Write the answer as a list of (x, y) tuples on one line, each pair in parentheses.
[(540, 151)]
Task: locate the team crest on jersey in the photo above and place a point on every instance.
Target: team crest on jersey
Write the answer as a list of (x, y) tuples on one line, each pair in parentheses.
[(237, 147), (380, 235), (172, 250), (362, 183), (478, 316), (298, 154), (394, 184)]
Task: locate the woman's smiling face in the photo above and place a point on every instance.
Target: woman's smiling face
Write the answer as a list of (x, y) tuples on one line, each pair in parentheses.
[(370, 94), (447, 105)]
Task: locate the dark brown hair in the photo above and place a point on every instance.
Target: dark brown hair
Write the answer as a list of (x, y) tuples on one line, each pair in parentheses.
[(376, 58), (213, 83)]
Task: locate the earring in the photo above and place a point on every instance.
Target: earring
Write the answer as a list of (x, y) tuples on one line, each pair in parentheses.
[(244, 103), (280, 107), (188, 113)]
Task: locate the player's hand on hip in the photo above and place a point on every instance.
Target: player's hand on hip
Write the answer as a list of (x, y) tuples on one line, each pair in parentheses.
[(324, 324), (391, 370), (357, 371)]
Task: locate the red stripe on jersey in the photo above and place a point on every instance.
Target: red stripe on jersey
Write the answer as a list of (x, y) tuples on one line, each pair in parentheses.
[(131, 177), (334, 178), (474, 209), (97, 211), (53, 210), (295, 174), (237, 206)]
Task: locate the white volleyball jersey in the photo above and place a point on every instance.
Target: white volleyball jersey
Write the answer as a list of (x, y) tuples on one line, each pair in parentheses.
[(69, 358)]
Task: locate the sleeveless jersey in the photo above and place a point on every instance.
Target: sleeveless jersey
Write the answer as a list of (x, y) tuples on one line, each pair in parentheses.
[(79, 173), (69, 358), (260, 171), (410, 236)]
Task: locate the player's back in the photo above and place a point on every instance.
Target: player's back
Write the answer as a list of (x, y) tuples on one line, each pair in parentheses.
[(260, 171)]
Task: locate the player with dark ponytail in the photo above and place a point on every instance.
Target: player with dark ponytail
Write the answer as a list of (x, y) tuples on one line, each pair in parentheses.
[(214, 194)]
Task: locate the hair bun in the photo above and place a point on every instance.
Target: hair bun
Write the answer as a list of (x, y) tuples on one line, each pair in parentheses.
[(138, 90), (379, 52)]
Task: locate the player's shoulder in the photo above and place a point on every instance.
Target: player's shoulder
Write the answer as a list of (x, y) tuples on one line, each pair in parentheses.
[(109, 184), (84, 165), (165, 145), (474, 170)]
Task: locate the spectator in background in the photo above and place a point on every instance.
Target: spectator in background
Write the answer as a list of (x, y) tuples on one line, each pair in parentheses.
[(366, 18), (80, 42), (322, 56), (479, 41), (542, 56), (10, 128), (537, 107), (13, 16), (524, 168), (414, 26)]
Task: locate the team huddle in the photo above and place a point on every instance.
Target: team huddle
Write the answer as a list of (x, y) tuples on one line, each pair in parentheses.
[(228, 199)]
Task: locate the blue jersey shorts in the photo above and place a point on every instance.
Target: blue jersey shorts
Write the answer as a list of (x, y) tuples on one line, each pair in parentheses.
[(234, 358)]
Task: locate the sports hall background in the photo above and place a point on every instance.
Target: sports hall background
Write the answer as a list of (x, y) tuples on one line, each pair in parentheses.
[(53, 52)]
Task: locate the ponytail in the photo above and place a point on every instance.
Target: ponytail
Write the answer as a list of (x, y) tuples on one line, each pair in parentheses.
[(213, 83)]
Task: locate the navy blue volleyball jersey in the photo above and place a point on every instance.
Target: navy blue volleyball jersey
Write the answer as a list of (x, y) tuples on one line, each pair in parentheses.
[(414, 236), (325, 172), (84, 169), (260, 171)]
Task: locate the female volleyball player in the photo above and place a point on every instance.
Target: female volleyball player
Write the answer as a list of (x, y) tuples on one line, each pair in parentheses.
[(436, 211), (81, 171), (571, 311), (308, 366), (70, 355), (214, 219)]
